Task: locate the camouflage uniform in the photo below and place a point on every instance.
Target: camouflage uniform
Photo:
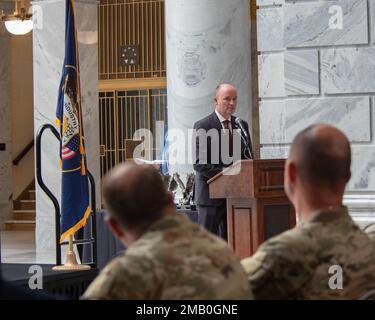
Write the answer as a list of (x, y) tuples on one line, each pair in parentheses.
[(296, 264), (174, 259)]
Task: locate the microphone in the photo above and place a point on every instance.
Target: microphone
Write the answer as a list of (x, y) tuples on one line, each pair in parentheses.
[(238, 122)]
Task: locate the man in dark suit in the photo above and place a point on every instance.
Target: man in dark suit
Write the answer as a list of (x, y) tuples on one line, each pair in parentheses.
[(220, 140)]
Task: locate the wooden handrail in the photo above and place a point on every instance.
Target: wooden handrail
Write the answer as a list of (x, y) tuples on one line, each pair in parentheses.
[(24, 151)]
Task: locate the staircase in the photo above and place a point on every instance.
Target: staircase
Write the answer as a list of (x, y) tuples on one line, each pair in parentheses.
[(24, 212)]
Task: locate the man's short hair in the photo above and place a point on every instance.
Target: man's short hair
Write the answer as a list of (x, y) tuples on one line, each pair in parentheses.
[(322, 157), (134, 194), (217, 89)]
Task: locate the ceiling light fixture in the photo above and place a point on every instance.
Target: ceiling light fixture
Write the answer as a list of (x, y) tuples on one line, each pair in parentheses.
[(20, 22)]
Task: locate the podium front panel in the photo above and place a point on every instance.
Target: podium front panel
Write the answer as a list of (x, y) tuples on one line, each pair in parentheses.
[(257, 206), (242, 226), (253, 221), (276, 220)]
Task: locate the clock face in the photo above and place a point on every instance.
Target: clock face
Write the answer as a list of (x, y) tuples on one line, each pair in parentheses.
[(129, 55)]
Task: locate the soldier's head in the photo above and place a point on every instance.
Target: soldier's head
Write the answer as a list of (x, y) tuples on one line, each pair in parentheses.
[(318, 166), (226, 100), (135, 197)]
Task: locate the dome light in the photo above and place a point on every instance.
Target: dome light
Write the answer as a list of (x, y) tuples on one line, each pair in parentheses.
[(19, 22)]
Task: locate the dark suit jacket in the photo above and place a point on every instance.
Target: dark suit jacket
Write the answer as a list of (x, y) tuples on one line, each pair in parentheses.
[(207, 169)]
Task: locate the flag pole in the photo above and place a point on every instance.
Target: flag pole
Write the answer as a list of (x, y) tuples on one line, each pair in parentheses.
[(75, 208), (71, 261)]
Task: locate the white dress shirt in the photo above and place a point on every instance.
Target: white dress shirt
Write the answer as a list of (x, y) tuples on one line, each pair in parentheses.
[(222, 119)]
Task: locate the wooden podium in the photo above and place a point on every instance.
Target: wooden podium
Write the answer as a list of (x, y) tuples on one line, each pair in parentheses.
[(257, 206)]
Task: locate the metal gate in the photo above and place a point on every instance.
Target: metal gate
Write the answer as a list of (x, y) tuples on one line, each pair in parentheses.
[(121, 113)]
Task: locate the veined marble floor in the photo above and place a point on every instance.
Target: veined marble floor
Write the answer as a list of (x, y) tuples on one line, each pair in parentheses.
[(19, 247)]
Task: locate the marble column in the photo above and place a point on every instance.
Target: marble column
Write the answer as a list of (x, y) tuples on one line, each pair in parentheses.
[(48, 51), (208, 42), (5, 124)]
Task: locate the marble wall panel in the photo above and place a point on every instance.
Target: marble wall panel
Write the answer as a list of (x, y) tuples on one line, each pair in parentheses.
[(269, 2), (272, 118), (281, 120), (271, 75), (310, 23), (301, 72), (372, 21), (349, 70), (290, 73), (363, 168), (270, 26)]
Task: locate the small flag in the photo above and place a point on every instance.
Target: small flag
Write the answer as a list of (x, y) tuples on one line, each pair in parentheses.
[(75, 207)]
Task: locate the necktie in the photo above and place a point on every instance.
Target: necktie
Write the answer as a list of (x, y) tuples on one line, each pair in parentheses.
[(226, 126)]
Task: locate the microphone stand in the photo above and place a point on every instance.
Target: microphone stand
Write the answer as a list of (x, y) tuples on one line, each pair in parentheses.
[(247, 148), (246, 141)]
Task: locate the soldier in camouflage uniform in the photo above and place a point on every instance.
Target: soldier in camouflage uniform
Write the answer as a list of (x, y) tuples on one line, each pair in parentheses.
[(168, 257), (326, 256)]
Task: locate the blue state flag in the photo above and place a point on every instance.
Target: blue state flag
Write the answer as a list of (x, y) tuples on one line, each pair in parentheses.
[(75, 208)]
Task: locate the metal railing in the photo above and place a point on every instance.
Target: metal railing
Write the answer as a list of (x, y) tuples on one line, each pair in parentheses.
[(56, 205), (23, 153)]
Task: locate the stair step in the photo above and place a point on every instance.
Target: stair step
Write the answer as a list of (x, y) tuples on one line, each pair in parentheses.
[(31, 194), (20, 225), (27, 205), (24, 214)]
